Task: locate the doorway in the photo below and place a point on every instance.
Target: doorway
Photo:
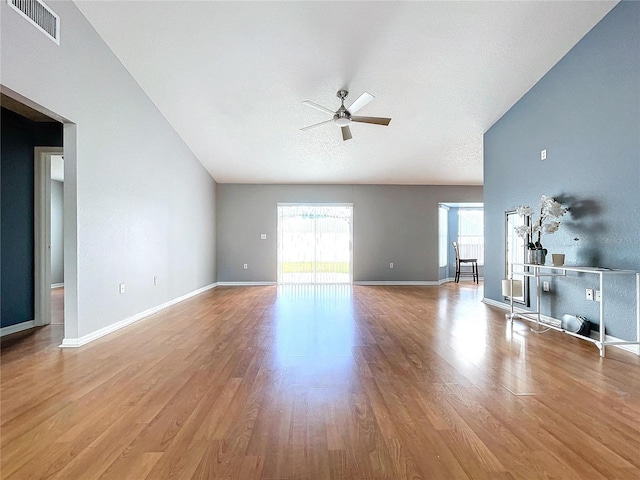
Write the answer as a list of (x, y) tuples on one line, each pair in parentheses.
[(315, 243), (25, 125), (463, 223), (57, 240), (49, 234)]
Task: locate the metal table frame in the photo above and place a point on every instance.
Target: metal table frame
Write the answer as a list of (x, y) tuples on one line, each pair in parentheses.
[(540, 271)]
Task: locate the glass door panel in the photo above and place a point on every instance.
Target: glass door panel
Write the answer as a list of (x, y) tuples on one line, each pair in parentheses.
[(314, 243)]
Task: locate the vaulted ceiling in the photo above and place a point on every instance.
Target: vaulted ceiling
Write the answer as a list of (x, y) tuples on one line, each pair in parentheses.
[(230, 78)]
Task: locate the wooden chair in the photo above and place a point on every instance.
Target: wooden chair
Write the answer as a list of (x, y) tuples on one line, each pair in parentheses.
[(465, 262)]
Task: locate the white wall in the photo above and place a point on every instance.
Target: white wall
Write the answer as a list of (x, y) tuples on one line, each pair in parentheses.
[(57, 234), (137, 202)]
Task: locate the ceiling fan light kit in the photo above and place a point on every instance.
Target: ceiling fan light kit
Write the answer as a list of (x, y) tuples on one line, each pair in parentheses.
[(344, 116)]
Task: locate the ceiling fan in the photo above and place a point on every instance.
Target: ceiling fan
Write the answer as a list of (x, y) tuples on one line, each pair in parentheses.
[(344, 116)]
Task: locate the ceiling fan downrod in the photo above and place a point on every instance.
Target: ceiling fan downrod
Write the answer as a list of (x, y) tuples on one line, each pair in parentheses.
[(342, 117)]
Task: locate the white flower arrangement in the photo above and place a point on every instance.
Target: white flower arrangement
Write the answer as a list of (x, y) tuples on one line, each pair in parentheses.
[(550, 211)]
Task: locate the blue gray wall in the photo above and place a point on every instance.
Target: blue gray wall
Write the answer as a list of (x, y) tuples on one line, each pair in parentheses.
[(391, 223), (18, 138), (586, 112)]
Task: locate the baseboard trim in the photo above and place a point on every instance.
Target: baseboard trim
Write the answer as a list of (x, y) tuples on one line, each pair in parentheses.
[(466, 280), (78, 342), (18, 327), (427, 283), (629, 348), (501, 305), (57, 285), (556, 322)]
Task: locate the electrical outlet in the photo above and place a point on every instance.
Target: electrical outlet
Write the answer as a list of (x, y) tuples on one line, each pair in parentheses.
[(155, 279), (545, 286), (391, 265), (598, 295), (543, 154), (589, 293), (245, 266), (121, 286), (263, 236)]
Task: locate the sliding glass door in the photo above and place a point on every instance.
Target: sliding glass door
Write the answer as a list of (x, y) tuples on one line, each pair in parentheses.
[(314, 243)]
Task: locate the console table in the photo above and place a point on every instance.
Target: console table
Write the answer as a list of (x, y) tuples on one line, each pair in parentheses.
[(544, 271)]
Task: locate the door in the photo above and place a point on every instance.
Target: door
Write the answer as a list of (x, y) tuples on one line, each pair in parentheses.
[(314, 243)]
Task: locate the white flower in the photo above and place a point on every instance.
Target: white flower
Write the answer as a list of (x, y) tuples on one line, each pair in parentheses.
[(549, 208), (524, 211), (522, 231), (554, 209), (550, 227)]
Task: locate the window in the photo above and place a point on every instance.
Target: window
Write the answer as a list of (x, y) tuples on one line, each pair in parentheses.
[(471, 234), (443, 237)]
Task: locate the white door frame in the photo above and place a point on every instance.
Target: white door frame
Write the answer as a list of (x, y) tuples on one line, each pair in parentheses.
[(42, 233)]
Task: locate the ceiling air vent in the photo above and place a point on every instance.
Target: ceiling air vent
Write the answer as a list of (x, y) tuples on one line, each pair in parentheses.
[(40, 15)]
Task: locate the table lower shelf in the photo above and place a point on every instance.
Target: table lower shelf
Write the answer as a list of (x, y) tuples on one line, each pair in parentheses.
[(533, 317)]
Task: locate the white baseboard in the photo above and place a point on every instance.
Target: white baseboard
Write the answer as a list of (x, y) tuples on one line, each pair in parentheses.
[(398, 283), (466, 280), (495, 303), (18, 327), (629, 348), (429, 283), (78, 342), (556, 322), (505, 306), (57, 285)]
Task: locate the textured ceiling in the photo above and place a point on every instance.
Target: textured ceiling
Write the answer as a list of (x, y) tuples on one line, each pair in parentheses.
[(230, 78)]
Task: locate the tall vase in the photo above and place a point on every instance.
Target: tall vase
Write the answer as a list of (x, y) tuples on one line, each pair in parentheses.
[(538, 256)]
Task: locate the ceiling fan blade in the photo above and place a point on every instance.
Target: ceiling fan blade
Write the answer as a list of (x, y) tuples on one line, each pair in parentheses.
[(318, 107), (360, 102), (346, 133), (376, 120), (316, 125)]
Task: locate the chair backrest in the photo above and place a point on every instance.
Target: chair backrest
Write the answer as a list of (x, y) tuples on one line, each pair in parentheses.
[(455, 249)]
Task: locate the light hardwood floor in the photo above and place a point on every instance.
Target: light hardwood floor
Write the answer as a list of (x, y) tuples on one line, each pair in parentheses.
[(320, 383), (57, 306)]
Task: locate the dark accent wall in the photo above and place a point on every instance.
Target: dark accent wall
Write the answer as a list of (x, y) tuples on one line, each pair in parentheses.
[(586, 112), (19, 136)]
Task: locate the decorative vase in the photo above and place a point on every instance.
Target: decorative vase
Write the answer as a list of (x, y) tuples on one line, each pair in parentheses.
[(538, 256), (557, 259)]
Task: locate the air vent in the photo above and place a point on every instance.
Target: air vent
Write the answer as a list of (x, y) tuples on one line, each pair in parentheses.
[(39, 15)]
